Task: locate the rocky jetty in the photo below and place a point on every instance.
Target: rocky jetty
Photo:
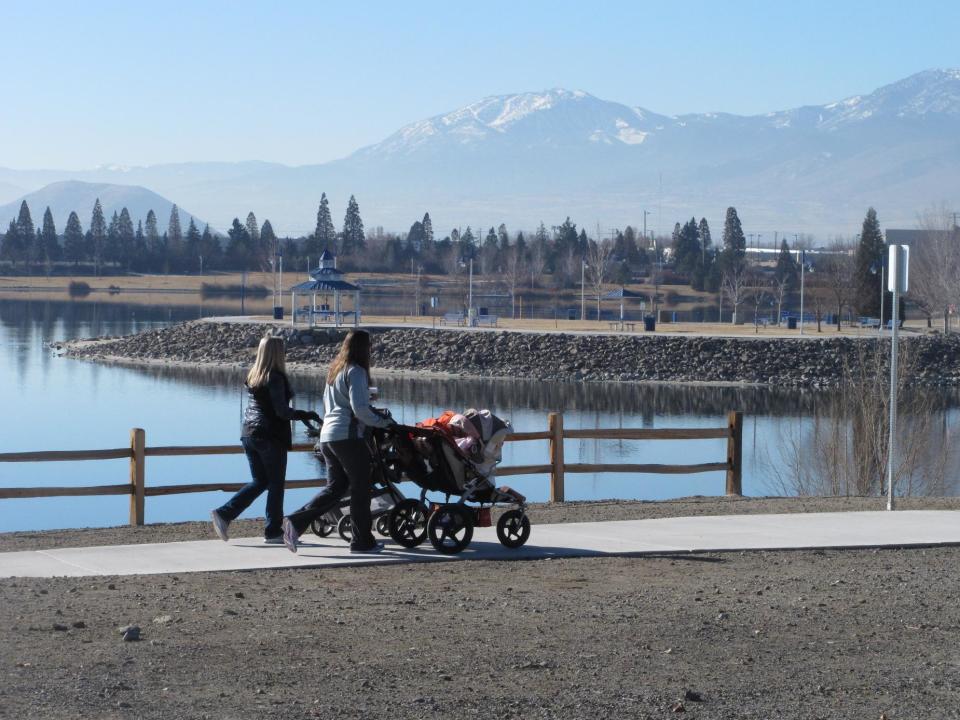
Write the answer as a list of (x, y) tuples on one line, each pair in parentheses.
[(808, 362)]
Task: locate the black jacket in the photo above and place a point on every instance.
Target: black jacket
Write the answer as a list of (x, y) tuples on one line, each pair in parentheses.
[(268, 412)]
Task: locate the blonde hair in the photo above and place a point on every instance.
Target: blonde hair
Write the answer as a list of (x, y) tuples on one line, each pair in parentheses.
[(271, 355), (355, 350)]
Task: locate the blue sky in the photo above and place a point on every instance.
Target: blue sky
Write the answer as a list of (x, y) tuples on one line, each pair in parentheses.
[(301, 82)]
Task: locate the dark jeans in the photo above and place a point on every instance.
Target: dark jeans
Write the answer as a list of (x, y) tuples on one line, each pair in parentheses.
[(268, 466), (348, 468)]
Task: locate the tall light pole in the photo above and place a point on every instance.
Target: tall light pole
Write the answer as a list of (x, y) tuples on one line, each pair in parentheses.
[(803, 264), (583, 289), (470, 289)]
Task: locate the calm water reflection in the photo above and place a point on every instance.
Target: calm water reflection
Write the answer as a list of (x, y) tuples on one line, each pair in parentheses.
[(55, 403)]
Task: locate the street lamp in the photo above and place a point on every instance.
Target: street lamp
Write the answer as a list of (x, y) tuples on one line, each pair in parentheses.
[(583, 286), (469, 291), (873, 269)]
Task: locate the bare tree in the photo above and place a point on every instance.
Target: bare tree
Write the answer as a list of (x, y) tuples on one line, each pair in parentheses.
[(758, 294), (516, 269), (734, 286), (779, 288), (598, 266), (935, 284), (838, 267)]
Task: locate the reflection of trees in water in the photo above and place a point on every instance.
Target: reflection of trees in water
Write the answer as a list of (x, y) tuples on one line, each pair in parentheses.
[(841, 448)]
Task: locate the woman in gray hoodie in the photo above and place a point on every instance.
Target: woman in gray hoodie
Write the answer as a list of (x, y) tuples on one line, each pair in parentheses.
[(346, 414)]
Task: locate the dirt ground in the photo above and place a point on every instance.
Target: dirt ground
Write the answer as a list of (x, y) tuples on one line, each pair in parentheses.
[(820, 634)]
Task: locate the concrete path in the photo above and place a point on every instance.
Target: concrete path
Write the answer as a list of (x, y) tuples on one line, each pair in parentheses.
[(621, 537)]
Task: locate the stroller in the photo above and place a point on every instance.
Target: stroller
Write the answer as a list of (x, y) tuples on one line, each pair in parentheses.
[(384, 495), (457, 455)]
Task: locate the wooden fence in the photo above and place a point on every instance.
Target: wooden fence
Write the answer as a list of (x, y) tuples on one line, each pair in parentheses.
[(556, 468)]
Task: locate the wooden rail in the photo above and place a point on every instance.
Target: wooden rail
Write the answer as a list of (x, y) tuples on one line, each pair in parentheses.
[(556, 468)]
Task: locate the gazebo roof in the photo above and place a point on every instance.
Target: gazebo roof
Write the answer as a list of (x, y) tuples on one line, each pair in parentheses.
[(620, 294), (320, 284)]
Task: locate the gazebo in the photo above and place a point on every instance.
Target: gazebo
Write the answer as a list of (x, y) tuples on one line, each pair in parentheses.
[(621, 294), (326, 279)]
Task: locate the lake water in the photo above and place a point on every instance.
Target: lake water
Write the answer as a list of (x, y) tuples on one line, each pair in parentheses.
[(54, 403)]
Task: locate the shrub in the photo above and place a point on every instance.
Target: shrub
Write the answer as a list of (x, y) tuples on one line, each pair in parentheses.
[(78, 288)]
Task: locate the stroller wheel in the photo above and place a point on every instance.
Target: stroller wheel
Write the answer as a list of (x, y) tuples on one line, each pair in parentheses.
[(450, 528), (382, 526), (322, 528), (513, 528), (407, 523), (345, 528)]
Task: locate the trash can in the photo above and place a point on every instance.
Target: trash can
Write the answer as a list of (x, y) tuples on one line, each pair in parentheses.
[(791, 323), (649, 323), (278, 312)]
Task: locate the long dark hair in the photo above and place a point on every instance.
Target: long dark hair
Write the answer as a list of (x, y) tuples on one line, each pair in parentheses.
[(355, 350)]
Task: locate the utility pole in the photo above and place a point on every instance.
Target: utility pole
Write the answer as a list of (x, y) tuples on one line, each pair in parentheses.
[(645, 213), (803, 263)]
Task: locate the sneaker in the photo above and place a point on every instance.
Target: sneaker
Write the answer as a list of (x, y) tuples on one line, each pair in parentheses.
[(367, 549), (220, 525), (290, 535), (278, 540)]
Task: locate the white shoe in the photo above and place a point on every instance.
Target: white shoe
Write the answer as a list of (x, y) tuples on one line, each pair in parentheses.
[(220, 525), (290, 535)]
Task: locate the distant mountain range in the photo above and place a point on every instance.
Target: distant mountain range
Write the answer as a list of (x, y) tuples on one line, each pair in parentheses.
[(73, 195), (529, 157)]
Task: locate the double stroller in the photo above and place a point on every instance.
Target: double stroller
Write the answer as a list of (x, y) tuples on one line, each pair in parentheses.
[(455, 455)]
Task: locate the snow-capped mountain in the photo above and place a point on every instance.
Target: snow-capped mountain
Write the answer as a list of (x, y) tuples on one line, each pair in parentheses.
[(538, 156), (554, 119)]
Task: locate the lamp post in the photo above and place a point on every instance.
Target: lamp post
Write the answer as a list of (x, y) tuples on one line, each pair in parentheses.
[(583, 291), (803, 264)]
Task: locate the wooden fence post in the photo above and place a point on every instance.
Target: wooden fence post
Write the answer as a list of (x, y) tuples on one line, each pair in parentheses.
[(138, 443), (735, 453), (556, 457)]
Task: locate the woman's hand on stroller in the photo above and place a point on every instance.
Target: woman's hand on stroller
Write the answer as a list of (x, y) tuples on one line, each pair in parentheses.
[(310, 419)]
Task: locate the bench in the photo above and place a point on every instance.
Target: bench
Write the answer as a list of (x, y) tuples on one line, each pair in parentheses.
[(870, 322), (452, 319), (622, 325), (487, 320)]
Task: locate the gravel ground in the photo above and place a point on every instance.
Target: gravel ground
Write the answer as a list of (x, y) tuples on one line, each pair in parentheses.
[(836, 634)]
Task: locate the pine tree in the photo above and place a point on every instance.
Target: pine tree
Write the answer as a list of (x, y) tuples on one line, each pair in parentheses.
[(520, 245), (703, 229), (503, 239), (325, 236), (11, 248), (126, 237), (26, 235), (49, 245), (490, 241), (732, 257), (155, 247), (111, 249), (269, 246), (352, 238), (253, 230), (139, 257), (238, 246), (210, 250), (73, 241), (786, 266), (427, 229), (869, 261), (192, 245), (174, 240), (98, 235)]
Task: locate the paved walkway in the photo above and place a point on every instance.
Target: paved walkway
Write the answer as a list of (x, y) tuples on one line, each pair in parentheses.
[(621, 537)]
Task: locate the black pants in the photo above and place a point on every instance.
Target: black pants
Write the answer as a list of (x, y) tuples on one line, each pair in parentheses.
[(268, 467), (348, 468)]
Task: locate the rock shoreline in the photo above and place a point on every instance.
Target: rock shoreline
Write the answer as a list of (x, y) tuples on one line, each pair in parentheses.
[(785, 362)]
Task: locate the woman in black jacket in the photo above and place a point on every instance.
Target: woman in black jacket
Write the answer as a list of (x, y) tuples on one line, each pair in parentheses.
[(266, 438)]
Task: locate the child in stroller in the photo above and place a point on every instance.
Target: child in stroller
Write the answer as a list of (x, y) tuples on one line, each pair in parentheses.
[(455, 454)]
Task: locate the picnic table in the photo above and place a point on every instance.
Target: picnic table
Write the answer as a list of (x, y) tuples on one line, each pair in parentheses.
[(622, 325)]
